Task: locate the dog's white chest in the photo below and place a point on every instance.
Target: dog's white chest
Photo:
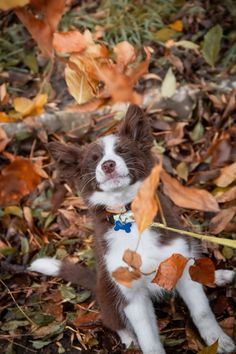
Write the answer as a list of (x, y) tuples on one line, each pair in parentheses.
[(150, 249)]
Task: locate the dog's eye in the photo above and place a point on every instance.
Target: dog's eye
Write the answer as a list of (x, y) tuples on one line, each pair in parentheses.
[(121, 149), (95, 157)]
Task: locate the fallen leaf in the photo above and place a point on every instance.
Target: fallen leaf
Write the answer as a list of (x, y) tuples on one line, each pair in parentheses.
[(170, 271), (177, 26), (17, 180), (188, 197), (125, 54), (164, 34), (183, 43), (144, 205), (211, 44), (85, 319), (168, 86), (219, 222), (125, 277), (4, 96), (203, 271), (227, 175), (70, 42), (5, 118), (132, 258), (227, 196), (28, 107), (3, 139), (175, 136), (11, 4), (212, 349)]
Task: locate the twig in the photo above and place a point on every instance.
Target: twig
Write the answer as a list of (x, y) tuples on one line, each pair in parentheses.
[(218, 240), (19, 308)]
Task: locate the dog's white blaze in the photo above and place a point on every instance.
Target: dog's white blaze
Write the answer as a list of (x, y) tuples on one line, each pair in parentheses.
[(122, 180)]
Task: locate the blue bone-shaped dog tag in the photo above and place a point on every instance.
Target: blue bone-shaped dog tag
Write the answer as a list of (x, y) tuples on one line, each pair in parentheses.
[(123, 226)]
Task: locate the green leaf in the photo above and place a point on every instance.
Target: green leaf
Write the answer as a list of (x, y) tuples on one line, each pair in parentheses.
[(83, 296), (212, 349), (211, 44), (42, 319), (13, 325), (38, 344), (197, 132), (67, 293), (24, 245)]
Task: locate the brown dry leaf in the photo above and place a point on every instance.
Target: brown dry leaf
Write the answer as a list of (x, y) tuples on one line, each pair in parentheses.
[(39, 30), (17, 180), (11, 4), (86, 319), (186, 197), (212, 349), (125, 54), (4, 96), (219, 222), (144, 205), (170, 271), (203, 271), (228, 325), (132, 258), (227, 175), (53, 10), (28, 107), (175, 137), (125, 277), (227, 196), (3, 139), (70, 42)]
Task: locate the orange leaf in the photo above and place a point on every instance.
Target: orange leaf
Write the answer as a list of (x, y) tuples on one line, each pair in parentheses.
[(17, 180), (132, 258), (203, 271), (185, 197), (39, 30), (70, 42), (125, 277), (144, 205), (177, 26), (4, 118), (170, 271), (86, 319), (53, 10)]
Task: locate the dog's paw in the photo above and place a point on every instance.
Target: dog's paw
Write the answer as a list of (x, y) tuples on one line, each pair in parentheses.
[(225, 344), (126, 338)]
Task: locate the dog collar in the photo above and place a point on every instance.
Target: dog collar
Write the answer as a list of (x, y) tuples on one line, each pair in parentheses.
[(122, 220)]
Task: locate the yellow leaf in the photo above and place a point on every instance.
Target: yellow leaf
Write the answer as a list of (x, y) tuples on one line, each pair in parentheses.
[(4, 118), (10, 4), (212, 349), (144, 205), (28, 107), (164, 34)]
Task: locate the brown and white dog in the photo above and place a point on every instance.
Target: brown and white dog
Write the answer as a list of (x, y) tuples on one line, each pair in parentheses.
[(108, 173)]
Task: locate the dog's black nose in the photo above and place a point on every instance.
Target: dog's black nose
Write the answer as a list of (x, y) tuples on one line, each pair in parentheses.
[(108, 166)]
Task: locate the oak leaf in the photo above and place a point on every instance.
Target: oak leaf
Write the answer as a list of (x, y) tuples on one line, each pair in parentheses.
[(203, 271), (144, 205), (188, 197), (170, 271), (125, 277)]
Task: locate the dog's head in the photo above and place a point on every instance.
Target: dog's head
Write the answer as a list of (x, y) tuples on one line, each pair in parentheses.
[(111, 167)]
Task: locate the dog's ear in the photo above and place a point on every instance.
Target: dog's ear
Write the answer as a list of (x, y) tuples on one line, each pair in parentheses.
[(67, 158), (136, 127)]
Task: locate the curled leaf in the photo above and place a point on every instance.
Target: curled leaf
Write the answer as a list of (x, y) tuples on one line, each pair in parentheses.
[(144, 205), (132, 258), (203, 271)]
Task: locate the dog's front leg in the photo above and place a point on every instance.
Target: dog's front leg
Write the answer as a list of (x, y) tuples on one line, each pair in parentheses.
[(202, 315), (141, 316)]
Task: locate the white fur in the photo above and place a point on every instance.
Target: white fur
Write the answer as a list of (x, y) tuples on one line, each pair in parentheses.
[(121, 176), (46, 265), (224, 276), (119, 196), (126, 337), (139, 311)]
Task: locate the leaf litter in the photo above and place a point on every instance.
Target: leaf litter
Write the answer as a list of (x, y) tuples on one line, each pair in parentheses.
[(199, 155)]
